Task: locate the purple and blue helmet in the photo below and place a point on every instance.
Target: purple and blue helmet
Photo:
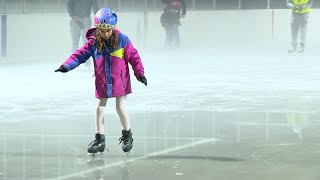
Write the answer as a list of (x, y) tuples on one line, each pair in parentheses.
[(105, 18)]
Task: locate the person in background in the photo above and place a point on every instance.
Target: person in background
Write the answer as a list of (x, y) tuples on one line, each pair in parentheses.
[(80, 11), (299, 21), (170, 21)]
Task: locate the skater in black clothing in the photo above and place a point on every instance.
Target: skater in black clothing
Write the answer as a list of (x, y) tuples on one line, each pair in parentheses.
[(170, 21)]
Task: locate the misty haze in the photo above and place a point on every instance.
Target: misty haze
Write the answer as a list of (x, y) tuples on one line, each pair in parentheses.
[(233, 95)]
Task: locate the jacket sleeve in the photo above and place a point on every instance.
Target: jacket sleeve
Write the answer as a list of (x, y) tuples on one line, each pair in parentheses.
[(308, 5), (184, 7), (70, 7), (95, 6), (132, 56), (290, 4), (80, 56)]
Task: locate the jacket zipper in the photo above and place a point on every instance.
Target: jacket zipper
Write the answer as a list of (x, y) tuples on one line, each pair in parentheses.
[(122, 79)]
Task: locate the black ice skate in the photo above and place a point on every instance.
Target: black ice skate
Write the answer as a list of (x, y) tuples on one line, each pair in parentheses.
[(126, 140), (97, 145)]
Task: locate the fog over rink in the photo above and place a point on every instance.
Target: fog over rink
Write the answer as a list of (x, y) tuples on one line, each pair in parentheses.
[(222, 100), (230, 65), (177, 82)]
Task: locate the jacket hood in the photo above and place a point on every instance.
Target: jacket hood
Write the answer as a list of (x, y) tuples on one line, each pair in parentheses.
[(91, 33)]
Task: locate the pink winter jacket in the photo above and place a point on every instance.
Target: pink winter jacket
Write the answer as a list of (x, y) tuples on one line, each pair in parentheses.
[(112, 78)]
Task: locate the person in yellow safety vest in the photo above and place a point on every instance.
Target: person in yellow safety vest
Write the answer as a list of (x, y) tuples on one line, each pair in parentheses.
[(299, 21), (297, 120)]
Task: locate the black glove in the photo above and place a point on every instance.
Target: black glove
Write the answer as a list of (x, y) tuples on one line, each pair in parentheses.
[(62, 69), (143, 80)]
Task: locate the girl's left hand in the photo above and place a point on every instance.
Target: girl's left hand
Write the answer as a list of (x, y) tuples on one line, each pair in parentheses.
[(143, 80)]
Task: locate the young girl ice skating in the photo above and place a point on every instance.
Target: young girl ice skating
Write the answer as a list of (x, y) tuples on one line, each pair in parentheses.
[(112, 51)]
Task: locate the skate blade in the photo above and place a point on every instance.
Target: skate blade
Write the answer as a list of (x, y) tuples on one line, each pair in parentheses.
[(98, 153)]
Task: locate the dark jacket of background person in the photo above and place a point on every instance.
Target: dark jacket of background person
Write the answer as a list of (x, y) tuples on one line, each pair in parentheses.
[(168, 18), (183, 9), (82, 8)]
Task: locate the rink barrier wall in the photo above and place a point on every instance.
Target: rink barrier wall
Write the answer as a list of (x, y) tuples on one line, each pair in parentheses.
[(48, 35)]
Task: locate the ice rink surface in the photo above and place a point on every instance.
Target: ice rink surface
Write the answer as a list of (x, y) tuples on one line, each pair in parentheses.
[(205, 114)]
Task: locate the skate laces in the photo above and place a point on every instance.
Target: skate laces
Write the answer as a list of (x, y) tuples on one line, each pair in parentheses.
[(96, 143), (125, 139)]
